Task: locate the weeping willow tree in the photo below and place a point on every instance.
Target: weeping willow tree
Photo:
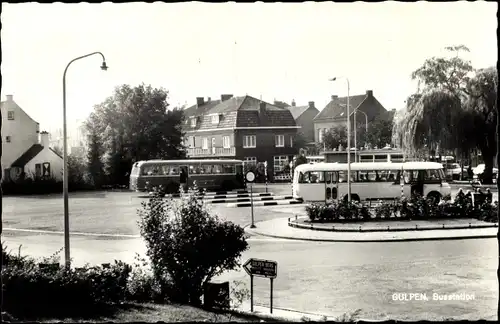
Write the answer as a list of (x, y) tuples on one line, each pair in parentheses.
[(429, 124)]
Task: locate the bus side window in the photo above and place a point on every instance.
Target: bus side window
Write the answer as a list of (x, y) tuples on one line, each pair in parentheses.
[(207, 169), (391, 176), (165, 169), (174, 170), (342, 176), (228, 168), (304, 177), (407, 176), (147, 170), (217, 168), (372, 176)]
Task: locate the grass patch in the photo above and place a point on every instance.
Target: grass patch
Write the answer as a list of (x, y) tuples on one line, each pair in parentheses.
[(132, 312)]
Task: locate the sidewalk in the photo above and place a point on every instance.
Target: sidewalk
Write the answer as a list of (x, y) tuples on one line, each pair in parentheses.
[(283, 314), (278, 228)]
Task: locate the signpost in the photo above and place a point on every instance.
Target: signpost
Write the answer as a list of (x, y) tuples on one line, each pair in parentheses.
[(250, 177), (261, 268)]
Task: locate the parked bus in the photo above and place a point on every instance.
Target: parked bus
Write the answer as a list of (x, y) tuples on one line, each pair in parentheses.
[(215, 175), (369, 181)]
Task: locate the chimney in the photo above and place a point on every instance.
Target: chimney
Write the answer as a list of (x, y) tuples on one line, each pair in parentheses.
[(262, 108), (293, 102), (311, 104), (44, 139), (10, 97), (369, 93), (200, 101), (334, 97), (225, 97), (209, 99)]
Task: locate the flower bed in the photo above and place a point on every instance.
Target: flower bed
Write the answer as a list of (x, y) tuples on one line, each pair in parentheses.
[(416, 208)]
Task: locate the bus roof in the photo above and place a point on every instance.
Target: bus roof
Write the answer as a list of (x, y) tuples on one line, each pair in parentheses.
[(368, 166), (188, 161)]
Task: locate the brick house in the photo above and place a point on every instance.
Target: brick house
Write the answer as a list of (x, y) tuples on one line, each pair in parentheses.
[(304, 117), (242, 128), (335, 113)]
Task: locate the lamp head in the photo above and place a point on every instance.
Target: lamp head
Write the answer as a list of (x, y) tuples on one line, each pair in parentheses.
[(333, 79), (104, 67)]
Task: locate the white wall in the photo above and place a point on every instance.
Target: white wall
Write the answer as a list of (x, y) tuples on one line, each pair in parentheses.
[(23, 132), (46, 155)]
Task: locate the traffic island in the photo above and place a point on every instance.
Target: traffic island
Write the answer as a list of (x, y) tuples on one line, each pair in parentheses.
[(389, 226), (402, 231)]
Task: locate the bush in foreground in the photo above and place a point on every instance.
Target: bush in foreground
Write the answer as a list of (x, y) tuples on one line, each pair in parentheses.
[(44, 288), (187, 245)]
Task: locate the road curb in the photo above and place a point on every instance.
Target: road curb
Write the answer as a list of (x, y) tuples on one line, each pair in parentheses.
[(35, 231), (310, 239), (388, 229)]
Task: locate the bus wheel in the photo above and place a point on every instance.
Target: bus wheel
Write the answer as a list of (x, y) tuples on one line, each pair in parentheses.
[(434, 196)]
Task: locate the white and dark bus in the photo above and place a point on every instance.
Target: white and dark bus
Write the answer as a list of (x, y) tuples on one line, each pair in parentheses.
[(217, 175), (369, 181)]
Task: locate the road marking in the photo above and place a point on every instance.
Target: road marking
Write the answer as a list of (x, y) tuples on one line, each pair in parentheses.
[(250, 239), (71, 233)]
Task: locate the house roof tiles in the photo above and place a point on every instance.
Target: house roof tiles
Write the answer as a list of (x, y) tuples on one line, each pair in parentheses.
[(238, 112), (27, 156)]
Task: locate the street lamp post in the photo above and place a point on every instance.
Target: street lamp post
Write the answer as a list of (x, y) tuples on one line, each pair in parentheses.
[(348, 142), (104, 67)]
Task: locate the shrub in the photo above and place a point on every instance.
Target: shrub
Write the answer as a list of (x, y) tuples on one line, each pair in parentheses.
[(142, 285), (34, 289), (187, 245)]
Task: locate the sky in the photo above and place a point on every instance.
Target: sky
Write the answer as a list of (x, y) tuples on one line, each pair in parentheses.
[(273, 51)]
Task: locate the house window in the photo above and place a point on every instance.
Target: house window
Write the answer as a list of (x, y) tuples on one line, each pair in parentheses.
[(191, 141), (193, 121), (291, 141), (215, 119), (38, 170), (249, 141), (10, 115), (252, 160), (279, 140), (226, 143), (7, 139), (320, 135), (204, 143), (279, 162)]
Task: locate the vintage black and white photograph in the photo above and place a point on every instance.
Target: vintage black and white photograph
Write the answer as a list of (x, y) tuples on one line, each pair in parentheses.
[(249, 162)]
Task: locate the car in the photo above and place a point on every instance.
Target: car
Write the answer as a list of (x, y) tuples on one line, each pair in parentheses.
[(478, 171)]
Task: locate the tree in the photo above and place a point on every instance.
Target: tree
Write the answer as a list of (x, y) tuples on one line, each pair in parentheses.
[(300, 140), (451, 111), (188, 246), (481, 108), (300, 159), (135, 124), (335, 137), (95, 165), (432, 113)]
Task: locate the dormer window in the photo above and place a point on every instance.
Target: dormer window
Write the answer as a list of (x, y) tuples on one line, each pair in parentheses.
[(193, 121), (10, 115), (215, 119)]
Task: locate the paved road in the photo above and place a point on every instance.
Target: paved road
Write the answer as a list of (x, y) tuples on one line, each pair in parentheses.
[(330, 278)]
